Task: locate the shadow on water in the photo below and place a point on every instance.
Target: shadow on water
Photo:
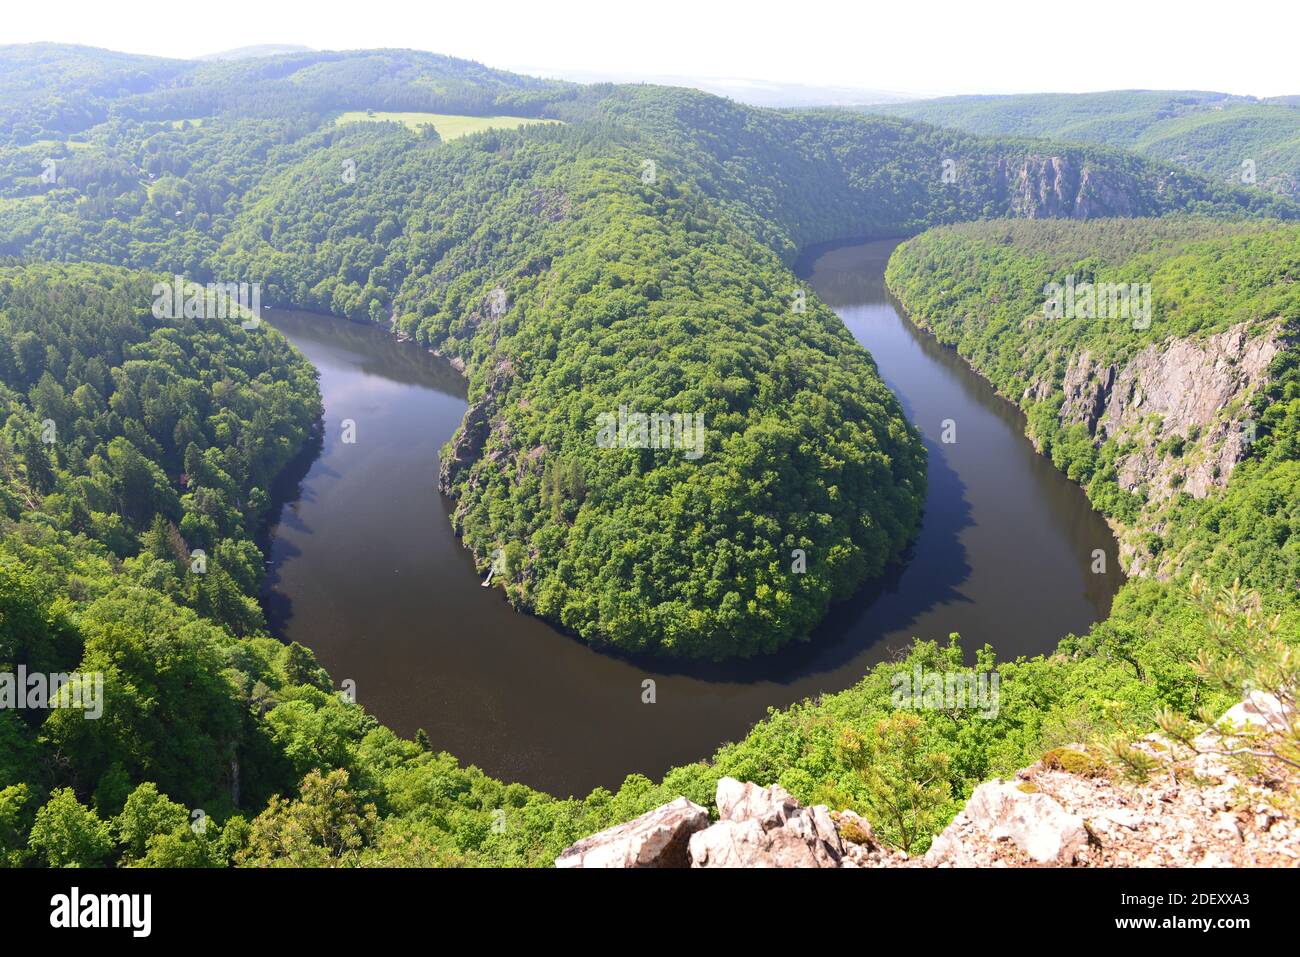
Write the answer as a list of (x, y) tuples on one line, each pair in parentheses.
[(289, 492), (364, 568)]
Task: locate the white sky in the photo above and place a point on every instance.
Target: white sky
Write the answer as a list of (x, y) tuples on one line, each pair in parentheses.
[(916, 46)]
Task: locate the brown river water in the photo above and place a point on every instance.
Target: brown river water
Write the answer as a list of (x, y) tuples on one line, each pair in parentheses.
[(364, 569)]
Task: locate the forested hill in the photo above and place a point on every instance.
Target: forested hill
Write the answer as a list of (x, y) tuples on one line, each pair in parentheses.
[(134, 454), (204, 727), (99, 141), (1232, 139), (599, 239), (613, 293), (49, 91), (820, 175), (652, 227), (635, 255)]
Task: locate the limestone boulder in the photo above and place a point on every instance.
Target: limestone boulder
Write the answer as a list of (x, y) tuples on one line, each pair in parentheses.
[(658, 838)]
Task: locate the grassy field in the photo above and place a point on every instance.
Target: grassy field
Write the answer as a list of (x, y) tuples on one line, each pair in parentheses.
[(52, 144), (449, 126)]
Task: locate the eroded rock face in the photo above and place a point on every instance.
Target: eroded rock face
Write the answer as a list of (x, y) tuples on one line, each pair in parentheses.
[(1087, 387), (766, 827), (1061, 186), (1036, 824), (1186, 385), (1178, 390), (738, 801), (1181, 409), (1188, 381), (657, 838), (482, 426), (466, 445), (1185, 381)]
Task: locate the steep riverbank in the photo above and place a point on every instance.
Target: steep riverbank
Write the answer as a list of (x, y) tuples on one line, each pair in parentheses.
[(1151, 412)]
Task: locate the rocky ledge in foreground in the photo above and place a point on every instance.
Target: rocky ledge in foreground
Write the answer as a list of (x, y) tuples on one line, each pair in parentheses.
[(1069, 809), (756, 827)]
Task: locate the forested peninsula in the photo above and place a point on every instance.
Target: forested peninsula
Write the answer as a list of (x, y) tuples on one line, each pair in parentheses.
[(635, 254)]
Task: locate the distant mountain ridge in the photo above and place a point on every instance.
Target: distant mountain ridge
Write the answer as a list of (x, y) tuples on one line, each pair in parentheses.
[(49, 90), (1237, 139), (750, 91), (256, 50), (235, 168)]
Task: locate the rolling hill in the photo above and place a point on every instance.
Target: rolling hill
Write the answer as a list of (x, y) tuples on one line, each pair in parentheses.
[(1232, 139)]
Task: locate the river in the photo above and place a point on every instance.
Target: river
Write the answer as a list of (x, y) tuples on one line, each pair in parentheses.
[(364, 570)]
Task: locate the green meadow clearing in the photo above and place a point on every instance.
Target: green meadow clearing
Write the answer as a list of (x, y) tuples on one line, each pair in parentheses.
[(449, 126)]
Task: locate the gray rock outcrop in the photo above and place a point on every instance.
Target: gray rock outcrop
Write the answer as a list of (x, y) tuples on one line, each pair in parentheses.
[(766, 827), (1035, 823), (1197, 810), (657, 838), (1184, 390), (1062, 186)]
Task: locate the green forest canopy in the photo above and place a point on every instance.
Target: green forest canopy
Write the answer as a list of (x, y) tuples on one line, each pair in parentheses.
[(626, 244)]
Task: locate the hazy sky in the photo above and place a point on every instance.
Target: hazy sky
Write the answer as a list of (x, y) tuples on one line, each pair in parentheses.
[(922, 46)]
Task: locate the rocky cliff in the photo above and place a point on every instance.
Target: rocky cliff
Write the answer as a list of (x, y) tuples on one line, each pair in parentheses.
[(1060, 187), (1180, 411), (1071, 809)]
